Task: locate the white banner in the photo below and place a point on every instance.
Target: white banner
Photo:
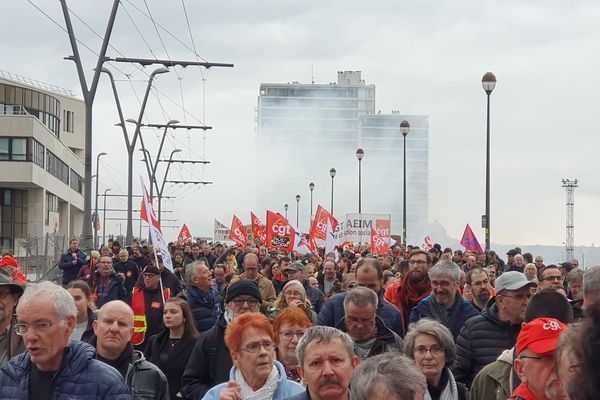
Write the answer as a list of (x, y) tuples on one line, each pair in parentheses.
[(357, 227), (221, 232)]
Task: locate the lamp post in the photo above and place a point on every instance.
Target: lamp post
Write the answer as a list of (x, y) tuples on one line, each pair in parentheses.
[(285, 207), (404, 128), (104, 219), (120, 230), (162, 187), (297, 211), (332, 174), (360, 153), (489, 83), (96, 203), (311, 187)]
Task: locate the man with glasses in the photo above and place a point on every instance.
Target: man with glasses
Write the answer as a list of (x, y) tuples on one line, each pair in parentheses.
[(108, 286), (367, 330), (267, 291), (210, 362), (147, 304), (539, 262), (479, 283), (550, 277), (445, 304), (368, 274), (414, 285), (535, 360), (486, 335), (54, 366)]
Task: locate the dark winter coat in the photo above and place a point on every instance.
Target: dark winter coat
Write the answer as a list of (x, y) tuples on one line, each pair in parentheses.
[(131, 273), (462, 308), (171, 359), (387, 340), (205, 306), (209, 363), (480, 342), (80, 376), (332, 313), (70, 271), (108, 289), (169, 280)]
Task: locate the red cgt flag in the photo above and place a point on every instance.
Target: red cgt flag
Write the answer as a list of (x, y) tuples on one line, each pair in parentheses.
[(184, 235), (280, 234), (318, 230), (257, 229), (238, 233), (378, 245), (469, 241)]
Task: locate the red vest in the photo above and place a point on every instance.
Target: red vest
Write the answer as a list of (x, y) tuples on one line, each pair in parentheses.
[(138, 305)]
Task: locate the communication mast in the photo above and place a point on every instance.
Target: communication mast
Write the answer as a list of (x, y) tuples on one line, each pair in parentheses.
[(570, 186)]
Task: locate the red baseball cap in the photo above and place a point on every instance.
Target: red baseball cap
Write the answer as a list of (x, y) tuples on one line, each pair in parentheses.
[(540, 335)]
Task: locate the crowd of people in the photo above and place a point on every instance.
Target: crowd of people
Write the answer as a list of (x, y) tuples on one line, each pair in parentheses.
[(232, 323)]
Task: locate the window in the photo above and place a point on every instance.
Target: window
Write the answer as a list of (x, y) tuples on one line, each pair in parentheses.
[(51, 205), (56, 167), (4, 149), (68, 121), (37, 150), (76, 182), (19, 149)]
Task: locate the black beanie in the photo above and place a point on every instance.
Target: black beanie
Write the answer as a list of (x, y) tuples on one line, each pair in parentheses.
[(243, 286)]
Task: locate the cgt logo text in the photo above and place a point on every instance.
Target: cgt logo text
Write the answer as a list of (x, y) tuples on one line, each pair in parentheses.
[(281, 229)]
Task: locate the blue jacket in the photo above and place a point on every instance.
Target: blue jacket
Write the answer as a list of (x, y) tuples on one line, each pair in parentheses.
[(70, 271), (464, 309), (80, 377), (205, 306), (108, 289), (332, 313), (285, 387)]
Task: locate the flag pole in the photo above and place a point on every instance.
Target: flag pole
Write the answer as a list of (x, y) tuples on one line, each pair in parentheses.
[(162, 293)]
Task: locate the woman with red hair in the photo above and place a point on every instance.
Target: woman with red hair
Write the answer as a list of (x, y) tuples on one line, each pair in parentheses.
[(289, 326), (255, 373)]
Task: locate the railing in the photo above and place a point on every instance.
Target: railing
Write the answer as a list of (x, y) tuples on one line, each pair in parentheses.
[(35, 83)]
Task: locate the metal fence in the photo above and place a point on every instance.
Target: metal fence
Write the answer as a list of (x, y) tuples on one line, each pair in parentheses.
[(38, 256)]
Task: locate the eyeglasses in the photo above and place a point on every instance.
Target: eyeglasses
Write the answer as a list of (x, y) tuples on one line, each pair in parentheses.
[(38, 327), (362, 321), (519, 297), (417, 262), (4, 294), (434, 350), (559, 278), (290, 335), (148, 276), (255, 347), (295, 294), (240, 302)]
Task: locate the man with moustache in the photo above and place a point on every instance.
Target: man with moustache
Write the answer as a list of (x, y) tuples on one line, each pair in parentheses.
[(414, 285), (445, 304), (479, 283)]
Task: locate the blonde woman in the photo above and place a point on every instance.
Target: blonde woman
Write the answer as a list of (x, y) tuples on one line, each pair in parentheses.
[(292, 295)]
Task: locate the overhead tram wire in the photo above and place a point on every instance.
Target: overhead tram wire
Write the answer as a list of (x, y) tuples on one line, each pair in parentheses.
[(138, 30)]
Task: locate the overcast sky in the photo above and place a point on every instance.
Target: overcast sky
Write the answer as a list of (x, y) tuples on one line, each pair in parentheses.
[(425, 57)]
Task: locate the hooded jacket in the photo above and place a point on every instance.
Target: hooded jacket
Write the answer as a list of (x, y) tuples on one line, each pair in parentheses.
[(80, 377), (108, 289)]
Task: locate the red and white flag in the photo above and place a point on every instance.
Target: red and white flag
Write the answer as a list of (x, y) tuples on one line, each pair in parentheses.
[(258, 230), (379, 245), (158, 239), (184, 235), (238, 232), (280, 234), (318, 230), (427, 244)]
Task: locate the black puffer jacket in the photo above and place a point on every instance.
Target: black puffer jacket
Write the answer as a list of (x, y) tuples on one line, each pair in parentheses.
[(209, 363), (480, 342)]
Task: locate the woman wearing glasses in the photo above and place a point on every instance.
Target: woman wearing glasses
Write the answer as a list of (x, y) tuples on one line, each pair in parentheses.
[(431, 346), (289, 326), (293, 295), (255, 373)]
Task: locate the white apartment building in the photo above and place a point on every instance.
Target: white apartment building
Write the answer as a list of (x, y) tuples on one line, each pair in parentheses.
[(41, 160)]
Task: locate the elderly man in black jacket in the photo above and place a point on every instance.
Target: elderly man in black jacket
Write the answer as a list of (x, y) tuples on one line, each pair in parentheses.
[(113, 330), (485, 336), (210, 362)]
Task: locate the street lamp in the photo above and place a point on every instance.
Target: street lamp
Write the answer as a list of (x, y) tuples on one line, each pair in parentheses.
[(104, 219), (332, 174), (404, 128), (489, 83), (96, 203), (162, 187), (360, 153), (285, 206), (297, 212), (311, 187)]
